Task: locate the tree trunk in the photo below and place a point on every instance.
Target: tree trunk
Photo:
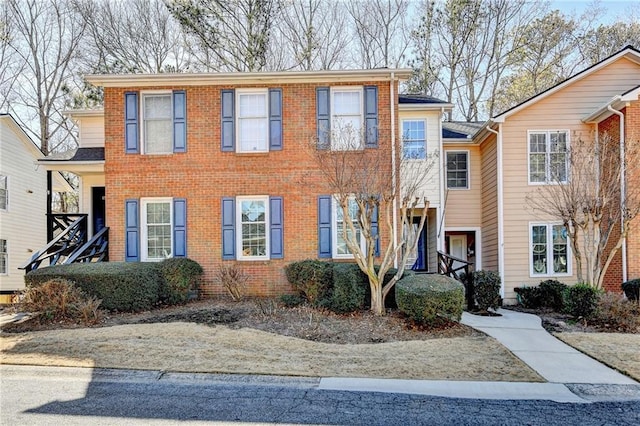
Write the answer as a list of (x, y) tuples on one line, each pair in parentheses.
[(377, 301)]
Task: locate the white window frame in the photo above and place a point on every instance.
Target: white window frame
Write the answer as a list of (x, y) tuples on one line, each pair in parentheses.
[(549, 249), (335, 205), (446, 163), (254, 91), (4, 180), (547, 175), (267, 227), (144, 231), (404, 139), (143, 136), (335, 119), (5, 254)]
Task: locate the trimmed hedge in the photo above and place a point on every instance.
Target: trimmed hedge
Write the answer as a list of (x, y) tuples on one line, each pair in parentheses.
[(122, 286), (549, 294), (347, 292), (631, 289), (312, 279), (486, 290), (181, 275), (581, 300), (427, 298)]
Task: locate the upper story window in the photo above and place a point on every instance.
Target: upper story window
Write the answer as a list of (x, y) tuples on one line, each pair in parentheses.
[(548, 156), (155, 122), (414, 140), (4, 193), (457, 170), (253, 121), (346, 119), (157, 223), (549, 250), (4, 258)]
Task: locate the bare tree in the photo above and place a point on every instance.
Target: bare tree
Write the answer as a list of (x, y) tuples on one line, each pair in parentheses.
[(366, 188), (134, 36), (230, 35), (46, 39), (311, 35), (587, 199), (10, 66), (382, 31)]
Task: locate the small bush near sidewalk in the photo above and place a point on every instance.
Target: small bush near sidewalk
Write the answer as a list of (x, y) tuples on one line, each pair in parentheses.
[(60, 300), (616, 313), (310, 278), (581, 301), (347, 291), (486, 287), (430, 298), (233, 279), (181, 278), (632, 289), (548, 294)]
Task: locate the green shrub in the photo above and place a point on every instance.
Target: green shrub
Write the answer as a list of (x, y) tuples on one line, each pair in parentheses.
[(390, 300), (486, 287), (551, 294), (59, 300), (528, 297), (617, 313), (347, 292), (430, 298), (127, 287), (581, 300), (632, 289), (181, 276), (291, 300), (310, 278)]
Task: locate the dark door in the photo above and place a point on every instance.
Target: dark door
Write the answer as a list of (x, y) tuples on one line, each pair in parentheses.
[(421, 263), (98, 208)]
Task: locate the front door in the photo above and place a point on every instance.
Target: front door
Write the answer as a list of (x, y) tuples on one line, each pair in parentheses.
[(458, 248), (98, 208)]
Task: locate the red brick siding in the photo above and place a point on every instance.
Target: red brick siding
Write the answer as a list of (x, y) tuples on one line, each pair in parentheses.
[(632, 139), (204, 174)]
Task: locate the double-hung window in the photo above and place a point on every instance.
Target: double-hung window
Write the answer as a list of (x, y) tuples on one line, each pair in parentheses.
[(4, 193), (457, 170), (414, 141), (346, 118), (253, 121), (549, 250), (548, 156), (4, 258), (157, 242), (253, 219), (158, 123), (340, 248)]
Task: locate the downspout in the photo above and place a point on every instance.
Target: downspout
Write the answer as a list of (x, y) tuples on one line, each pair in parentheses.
[(623, 189), (443, 201), (392, 104), (500, 206)]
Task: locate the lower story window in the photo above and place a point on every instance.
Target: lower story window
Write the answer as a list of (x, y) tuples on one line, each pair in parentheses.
[(253, 218), (340, 248), (4, 258), (549, 250), (156, 228)]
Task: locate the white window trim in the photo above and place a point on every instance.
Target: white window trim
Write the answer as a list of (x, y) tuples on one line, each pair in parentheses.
[(547, 152), (456, 151), (143, 141), (333, 117), (549, 226), (403, 140), (249, 91), (144, 243), (5, 273), (267, 221), (6, 209), (334, 233)]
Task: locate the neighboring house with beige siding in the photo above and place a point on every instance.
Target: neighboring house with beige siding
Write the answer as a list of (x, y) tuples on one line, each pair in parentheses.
[(519, 149)]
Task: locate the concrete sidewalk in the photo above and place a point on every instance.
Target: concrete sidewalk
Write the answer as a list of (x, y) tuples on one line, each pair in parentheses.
[(571, 375)]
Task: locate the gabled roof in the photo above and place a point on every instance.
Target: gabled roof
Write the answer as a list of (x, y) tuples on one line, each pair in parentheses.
[(460, 130), (628, 52)]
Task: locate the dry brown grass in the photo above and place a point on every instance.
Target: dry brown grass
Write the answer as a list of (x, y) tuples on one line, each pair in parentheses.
[(618, 350), (189, 347)]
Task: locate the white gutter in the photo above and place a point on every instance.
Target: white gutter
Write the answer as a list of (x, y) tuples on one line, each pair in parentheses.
[(623, 189), (500, 206), (392, 104), (442, 185)]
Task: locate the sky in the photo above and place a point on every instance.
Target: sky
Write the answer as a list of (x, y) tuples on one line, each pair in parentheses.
[(614, 8)]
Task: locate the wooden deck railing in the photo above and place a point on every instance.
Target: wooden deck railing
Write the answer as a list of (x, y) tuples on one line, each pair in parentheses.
[(460, 270)]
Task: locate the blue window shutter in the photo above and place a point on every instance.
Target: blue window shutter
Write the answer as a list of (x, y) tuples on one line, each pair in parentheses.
[(179, 121), (179, 227), (228, 112), (131, 122), (324, 226), (371, 116), (374, 229), (228, 228), (275, 119), (276, 215), (132, 231), (323, 110)]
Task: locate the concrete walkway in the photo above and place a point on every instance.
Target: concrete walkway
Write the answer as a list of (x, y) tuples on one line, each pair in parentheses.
[(572, 376)]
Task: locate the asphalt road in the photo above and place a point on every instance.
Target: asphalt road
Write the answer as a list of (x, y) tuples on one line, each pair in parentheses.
[(68, 396)]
